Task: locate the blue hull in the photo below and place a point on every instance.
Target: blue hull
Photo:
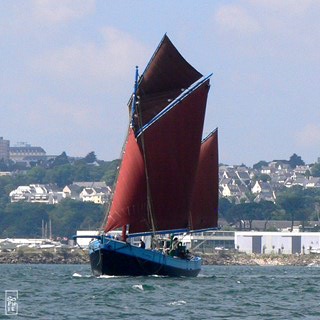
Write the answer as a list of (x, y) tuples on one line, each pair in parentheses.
[(117, 258)]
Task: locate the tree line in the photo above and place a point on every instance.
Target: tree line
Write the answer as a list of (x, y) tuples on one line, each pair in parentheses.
[(293, 204), (25, 219)]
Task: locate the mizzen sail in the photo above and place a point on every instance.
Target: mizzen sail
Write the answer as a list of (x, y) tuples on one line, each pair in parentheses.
[(204, 209)]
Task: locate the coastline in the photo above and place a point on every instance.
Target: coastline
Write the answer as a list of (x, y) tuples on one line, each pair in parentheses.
[(45, 256), (244, 259), (222, 258)]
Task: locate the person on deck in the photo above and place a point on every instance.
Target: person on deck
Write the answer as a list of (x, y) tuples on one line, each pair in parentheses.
[(174, 247), (175, 244), (142, 244)]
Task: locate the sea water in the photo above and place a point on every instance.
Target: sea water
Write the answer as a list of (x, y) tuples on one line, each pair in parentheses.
[(219, 292)]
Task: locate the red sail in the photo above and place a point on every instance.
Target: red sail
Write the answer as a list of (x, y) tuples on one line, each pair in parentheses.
[(129, 200), (172, 147), (167, 71), (166, 75), (154, 189), (204, 211)]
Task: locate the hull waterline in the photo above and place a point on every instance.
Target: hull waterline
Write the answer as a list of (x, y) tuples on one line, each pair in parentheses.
[(118, 258)]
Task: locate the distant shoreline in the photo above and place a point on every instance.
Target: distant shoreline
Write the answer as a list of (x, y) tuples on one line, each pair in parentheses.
[(236, 258), (223, 258), (45, 256)]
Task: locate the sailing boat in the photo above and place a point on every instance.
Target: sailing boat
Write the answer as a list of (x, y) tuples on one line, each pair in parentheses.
[(168, 177)]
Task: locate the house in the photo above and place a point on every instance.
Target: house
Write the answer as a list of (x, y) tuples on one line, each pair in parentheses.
[(296, 181), (97, 192), (301, 169), (280, 177), (5, 173), (36, 193), (313, 182), (234, 191), (27, 152), (267, 170), (265, 196), (280, 165), (230, 173), (22, 193), (244, 177), (72, 191), (96, 195), (260, 186)]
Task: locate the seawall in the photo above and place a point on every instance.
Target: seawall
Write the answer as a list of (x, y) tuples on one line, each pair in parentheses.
[(45, 256), (236, 258), (79, 256)]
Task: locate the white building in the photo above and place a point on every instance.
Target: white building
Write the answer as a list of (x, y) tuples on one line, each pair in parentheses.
[(277, 242), (35, 193), (96, 195)]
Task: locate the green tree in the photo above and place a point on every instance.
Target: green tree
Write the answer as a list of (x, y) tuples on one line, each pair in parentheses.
[(60, 160), (110, 172), (294, 203), (70, 216), (238, 214), (3, 165), (22, 220), (36, 175), (82, 172), (251, 212), (224, 206), (260, 164), (61, 175), (90, 157), (268, 210), (315, 170), (307, 174), (296, 160)]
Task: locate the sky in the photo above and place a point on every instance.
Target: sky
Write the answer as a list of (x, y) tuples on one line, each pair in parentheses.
[(67, 72)]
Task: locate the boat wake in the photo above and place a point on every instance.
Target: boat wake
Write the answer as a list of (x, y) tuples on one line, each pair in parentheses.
[(313, 265), (78, 275), (201, 275), (177, 303), (104, 276)]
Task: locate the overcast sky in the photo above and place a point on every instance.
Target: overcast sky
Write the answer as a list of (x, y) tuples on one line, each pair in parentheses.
[(67, 71)]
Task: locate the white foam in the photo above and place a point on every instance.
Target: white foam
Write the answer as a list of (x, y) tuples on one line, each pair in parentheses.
[(104, 276), (77, 275), (138, 286), (177, 303), (313, 265)]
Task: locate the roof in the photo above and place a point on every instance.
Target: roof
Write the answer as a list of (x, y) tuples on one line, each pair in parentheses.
[(27, 150), (90, 184)]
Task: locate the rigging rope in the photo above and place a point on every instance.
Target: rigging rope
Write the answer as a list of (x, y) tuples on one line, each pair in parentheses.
[(149, 199), (104, 222)]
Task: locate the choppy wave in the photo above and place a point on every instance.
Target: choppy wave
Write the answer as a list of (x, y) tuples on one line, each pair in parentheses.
[(313, 265), (219, 292), (177, 303), (138, 286)]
